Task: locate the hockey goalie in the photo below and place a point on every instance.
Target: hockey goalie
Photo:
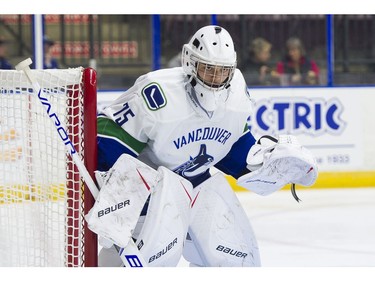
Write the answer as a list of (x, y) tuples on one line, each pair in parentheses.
[(156, 145)]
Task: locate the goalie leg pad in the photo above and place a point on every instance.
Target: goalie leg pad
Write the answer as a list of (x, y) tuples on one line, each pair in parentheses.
[(219, 228), (163, 234), (124, 191)]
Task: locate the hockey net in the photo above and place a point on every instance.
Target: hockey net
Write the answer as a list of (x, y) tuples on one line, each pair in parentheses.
[(42, 196)]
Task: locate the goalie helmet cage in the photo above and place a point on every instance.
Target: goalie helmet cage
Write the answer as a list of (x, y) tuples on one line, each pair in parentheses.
[(42, 197)]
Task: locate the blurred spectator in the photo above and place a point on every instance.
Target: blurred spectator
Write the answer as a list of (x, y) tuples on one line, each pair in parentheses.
[(49, 61), (297, 68), (4, 63), (257, 70)]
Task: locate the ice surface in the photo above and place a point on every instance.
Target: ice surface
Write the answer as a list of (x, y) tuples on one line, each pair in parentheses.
[(329, 228)]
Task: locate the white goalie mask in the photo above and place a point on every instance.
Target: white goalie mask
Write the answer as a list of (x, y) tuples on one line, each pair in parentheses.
[(209, 59)]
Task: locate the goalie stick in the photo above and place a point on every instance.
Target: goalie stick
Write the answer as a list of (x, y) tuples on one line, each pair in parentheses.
[(130, 255)]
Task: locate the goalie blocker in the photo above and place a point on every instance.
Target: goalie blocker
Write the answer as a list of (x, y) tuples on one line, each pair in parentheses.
[(116, 216)]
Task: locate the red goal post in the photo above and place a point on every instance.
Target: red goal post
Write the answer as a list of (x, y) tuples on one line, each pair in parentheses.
[(43, 199)]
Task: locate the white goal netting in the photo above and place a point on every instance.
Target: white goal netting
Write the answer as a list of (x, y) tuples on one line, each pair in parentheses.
[(41, 193)]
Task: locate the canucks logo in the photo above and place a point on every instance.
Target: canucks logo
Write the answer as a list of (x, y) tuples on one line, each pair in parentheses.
[(154, 96), (192, 167)]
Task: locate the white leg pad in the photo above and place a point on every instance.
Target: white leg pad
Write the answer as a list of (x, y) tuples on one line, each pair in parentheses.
[(163, 234), (219, 228)]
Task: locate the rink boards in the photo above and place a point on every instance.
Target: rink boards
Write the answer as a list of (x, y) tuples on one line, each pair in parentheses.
[(335, 123)]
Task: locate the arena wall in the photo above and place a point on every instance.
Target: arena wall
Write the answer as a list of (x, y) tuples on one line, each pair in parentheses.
[(335, 123)]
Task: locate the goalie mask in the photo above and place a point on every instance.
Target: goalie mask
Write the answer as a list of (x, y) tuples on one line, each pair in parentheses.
[(209, 59)]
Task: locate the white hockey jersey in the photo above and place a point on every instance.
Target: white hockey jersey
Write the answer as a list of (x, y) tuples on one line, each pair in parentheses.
[(158, 121)]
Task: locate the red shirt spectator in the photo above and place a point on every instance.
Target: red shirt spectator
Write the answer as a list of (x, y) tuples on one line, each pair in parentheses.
[(296, 68)]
